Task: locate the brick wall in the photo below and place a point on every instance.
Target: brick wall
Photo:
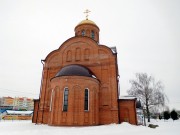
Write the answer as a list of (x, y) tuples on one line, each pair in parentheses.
[(97, 58), (75, 114), (128, 111)]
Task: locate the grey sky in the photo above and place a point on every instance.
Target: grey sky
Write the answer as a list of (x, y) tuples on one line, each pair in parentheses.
[(145, 32)]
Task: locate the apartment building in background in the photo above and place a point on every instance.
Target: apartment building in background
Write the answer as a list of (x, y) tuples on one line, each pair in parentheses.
[(17, 103)]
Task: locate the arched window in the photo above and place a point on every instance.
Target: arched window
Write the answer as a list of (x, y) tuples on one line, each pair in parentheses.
[(92, 34), (86, 100), (83, 33), (65, 103)]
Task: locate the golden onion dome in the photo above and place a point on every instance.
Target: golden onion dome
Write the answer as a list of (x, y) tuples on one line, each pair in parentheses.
[(87, 22)]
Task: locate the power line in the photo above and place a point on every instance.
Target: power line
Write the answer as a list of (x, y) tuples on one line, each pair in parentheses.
[(15, 91)]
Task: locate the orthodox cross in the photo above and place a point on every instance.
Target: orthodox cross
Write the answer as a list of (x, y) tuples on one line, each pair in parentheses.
[(86, 12)]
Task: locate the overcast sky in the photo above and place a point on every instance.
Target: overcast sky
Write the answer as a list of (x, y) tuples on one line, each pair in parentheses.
[(145, 32)]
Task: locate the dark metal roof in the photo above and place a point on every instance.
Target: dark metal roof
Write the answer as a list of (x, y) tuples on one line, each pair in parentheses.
[(75, 70), (113, 49)]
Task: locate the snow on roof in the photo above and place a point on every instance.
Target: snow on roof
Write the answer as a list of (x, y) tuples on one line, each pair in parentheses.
[(18, 112), (127, 97)]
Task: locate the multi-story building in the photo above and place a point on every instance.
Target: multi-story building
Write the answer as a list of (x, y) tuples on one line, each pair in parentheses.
[(6, 102), (23, 103), (16, 103), (30, 104)]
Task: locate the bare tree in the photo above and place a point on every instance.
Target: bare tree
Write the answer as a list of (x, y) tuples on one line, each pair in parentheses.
[(148, 91)]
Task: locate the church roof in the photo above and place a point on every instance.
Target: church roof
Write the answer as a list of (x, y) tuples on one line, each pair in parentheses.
[(87, 21), (75, 70)]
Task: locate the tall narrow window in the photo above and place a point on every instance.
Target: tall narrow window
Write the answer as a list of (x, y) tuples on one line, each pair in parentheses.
[(86, 100), (92, 34), (65, 105), (83, 32)]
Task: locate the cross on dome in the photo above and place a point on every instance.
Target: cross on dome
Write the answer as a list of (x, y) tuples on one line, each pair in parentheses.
[(86, 12)]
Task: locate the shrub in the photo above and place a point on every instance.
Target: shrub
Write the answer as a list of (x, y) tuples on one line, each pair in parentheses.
[(174, 115), (166, 115), (160, 117)]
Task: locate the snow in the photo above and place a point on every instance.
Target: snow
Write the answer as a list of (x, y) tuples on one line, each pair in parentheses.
[(127, 97), (18, 112), (28, 128)]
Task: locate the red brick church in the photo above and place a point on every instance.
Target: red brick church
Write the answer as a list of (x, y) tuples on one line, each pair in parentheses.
[(80, 83)]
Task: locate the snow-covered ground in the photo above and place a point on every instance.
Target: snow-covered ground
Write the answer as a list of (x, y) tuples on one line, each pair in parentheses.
[(28, 128)]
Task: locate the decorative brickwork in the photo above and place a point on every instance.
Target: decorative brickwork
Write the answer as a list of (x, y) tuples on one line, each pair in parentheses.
[(85, 65)]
